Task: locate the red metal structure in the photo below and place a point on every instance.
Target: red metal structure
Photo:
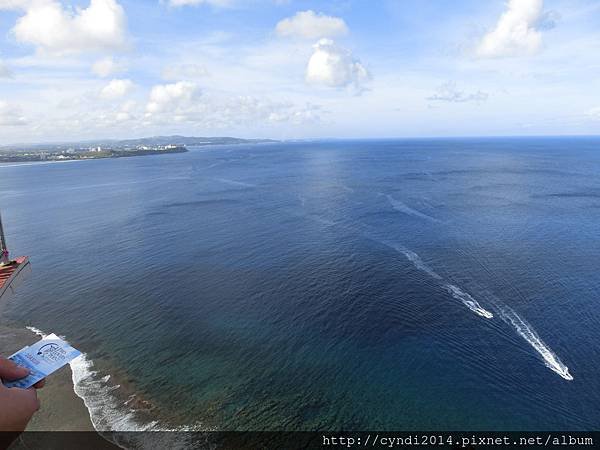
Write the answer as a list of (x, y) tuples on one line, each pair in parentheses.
[(12, 271)]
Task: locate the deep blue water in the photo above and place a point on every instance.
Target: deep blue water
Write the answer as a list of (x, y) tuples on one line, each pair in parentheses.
[(325, 285)]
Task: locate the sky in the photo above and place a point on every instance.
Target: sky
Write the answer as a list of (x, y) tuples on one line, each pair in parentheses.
[(298, 69)]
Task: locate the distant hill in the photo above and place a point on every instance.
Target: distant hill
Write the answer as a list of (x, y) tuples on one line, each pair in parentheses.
[(125, 143), (186, 140)]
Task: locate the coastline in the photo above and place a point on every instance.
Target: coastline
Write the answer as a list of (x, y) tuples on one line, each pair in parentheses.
[(88, 155), (61, 409)]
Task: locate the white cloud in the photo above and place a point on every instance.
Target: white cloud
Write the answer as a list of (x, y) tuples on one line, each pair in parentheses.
[(297, 116), (200, 113), (334, 66), (448, 92), (107, 66), (199, 2), (250, 110), (517, 32), (116, 89), (173, 98), (54, 29), (127, 112), (309, 25), (11, 115), (14, 4), (594, 113), (183, 103), (184, 71)]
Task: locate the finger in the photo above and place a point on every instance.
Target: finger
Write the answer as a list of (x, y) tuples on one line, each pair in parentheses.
[(27, 398), (11, 371), (31, 394), (40, 384)]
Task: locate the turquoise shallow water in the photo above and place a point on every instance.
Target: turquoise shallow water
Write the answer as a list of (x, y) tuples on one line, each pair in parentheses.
[(409, 284)]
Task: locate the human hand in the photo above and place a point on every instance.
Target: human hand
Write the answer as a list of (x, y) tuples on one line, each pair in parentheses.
[(17, 406), (10, 371)]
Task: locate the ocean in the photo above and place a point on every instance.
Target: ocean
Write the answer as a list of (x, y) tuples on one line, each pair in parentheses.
[(418, 284)]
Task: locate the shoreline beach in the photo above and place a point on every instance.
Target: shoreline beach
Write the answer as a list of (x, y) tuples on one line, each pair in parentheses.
[(61, 409)]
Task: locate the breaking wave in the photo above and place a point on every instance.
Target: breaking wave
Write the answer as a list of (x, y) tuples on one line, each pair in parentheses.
[(110, 415), (34, 330), (105, 411)]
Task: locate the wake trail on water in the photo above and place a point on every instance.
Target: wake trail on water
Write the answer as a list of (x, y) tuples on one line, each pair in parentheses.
[(404, 208), (415, 259), (455, 291), (468, 301), (526, 331), (507, 314)]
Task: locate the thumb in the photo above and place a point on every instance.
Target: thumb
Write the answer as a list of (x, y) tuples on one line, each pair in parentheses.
[(11, 371)]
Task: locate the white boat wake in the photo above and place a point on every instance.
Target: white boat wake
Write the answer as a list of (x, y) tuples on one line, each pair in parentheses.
[(403, 208), (551, 360), (468, 301), (507, 314), (455, 291), (416, 260)]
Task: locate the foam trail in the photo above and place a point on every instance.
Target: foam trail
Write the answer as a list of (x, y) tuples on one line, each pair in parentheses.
[(456, 292), (551, 360), (468, 301), (416, 260), (403, 208)]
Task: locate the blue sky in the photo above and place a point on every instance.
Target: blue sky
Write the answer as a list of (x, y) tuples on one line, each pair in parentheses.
[(298, 69)]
